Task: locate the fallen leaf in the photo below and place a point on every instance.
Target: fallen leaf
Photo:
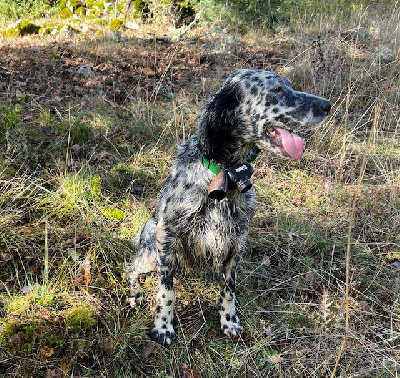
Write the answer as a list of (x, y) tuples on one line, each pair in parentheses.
[(4, 256), (148, 348), (197, 343), (47, 351), (54, 373), (309, 278), (188, 373), (107, 346), (148, 71), (266, 260), (15, 344), (268, 331), (87, 269), (276, 358)]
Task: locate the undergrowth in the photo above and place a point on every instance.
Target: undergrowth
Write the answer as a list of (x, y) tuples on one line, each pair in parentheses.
[(82, 160)]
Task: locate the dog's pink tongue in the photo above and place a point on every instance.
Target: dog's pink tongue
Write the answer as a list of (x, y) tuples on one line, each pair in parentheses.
[(292, 143)]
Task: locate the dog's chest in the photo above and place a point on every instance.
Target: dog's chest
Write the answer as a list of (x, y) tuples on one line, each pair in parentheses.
[(217, 231)]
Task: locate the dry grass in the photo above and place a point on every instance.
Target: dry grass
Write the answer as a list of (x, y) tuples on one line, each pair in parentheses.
[(82, 162)]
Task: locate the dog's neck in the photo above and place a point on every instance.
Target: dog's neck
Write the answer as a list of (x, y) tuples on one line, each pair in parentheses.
[(227, 159)]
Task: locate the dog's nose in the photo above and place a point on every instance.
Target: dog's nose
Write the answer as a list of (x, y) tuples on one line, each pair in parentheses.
[(325, 106)]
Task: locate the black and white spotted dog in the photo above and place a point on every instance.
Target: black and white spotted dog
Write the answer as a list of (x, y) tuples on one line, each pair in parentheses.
[(192, 231)]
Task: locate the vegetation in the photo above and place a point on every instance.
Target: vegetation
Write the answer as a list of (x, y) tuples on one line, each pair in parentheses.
[(91, 110)]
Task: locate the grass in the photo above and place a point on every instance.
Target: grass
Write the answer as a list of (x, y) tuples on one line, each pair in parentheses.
[(81, 164)]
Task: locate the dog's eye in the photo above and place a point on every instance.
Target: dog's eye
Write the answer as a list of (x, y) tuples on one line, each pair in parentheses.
[(276, 89)]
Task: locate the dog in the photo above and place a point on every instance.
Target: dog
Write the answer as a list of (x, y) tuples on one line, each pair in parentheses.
[(195, 229)]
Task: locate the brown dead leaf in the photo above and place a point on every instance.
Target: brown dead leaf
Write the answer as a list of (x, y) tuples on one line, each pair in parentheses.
[(84, 274), (107, 346), (266, 260), (15, 343), (87, 269), (54, 373), (241, 339), (188, 373), (47, 351), (276, 358), (309, 278), (148, 71), (197, 343), (5, 256), (148, 348)]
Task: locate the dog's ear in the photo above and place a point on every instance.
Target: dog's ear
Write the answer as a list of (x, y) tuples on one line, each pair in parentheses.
[(219, 120)]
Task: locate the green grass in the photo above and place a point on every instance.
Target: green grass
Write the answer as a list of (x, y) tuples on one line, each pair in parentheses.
[(82, 162)]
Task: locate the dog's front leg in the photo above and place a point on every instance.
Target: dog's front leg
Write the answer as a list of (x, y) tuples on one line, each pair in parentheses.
[(230, 323), (163, 331)]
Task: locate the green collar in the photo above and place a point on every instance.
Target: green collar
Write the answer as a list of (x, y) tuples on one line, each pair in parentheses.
[(213, 166)]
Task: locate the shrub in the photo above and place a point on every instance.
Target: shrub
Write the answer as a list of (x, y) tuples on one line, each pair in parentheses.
[(11, 9)]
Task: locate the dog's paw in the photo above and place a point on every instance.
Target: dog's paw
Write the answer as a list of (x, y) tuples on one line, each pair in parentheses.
[(164, 336), (230, 326)]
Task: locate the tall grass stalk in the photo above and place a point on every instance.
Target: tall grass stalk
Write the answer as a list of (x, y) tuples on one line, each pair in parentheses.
[(353, 205), (46, 254)]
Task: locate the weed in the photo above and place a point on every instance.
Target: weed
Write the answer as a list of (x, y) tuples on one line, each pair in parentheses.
[(9, 120)]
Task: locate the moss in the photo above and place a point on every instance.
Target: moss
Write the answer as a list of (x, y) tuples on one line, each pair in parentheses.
[(135, 222), (47, 300), (115, 24), (53, 340), (10, 171), (20, 28), (95, 186), (22, 337), (37, 298), (65, 13), (80, 12), (7, 329), (55, 29), (114, 213), (74, 3), (45, 31), (19, 305), (98, 5), (121, 177), (80, 318)]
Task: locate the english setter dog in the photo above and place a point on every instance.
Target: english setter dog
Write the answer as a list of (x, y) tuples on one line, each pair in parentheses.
[(205, 208)]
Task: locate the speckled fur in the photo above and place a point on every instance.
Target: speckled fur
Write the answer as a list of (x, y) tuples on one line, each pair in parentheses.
[(191, 231)]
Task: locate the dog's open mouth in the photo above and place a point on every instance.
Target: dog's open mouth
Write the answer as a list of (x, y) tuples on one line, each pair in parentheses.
[(289, 144)]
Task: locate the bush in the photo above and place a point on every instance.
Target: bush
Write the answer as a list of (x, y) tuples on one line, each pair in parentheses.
[(14, 9), (255, 13)]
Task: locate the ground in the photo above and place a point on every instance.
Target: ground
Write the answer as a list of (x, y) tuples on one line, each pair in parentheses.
[(82, 160)]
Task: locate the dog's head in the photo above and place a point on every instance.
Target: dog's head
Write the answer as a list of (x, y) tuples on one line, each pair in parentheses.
[(258, 107)]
